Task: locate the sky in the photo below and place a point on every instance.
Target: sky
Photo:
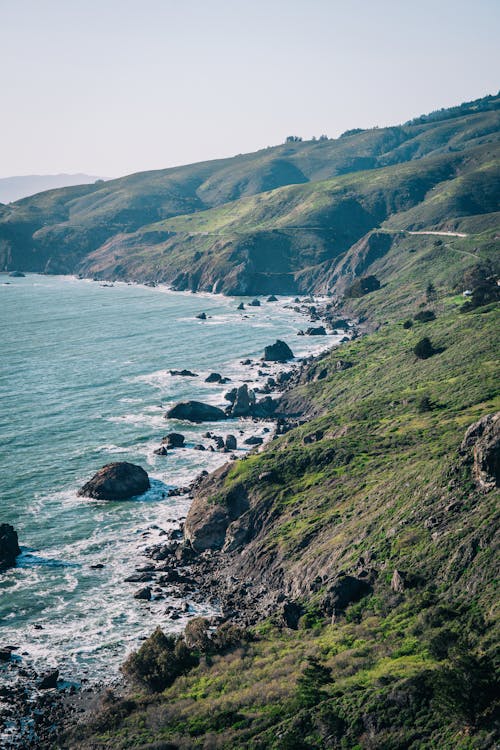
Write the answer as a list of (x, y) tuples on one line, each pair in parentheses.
[(111, 87)]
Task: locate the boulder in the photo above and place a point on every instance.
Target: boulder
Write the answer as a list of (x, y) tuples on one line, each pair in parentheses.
[(243, 402), (342, 365), (144, 593), (318, 331), (481, 446), (202, 316), (278, 352), (17, 275), (195, 411), (272, 298), (183, 373), (291, 614), (254, 440), (49, 680), (254, 303), (241, 306), (398, 581), (214, 377), (231, 395), (231, 443), (173, 440), (9, 546), (117, 481), (161, 451)]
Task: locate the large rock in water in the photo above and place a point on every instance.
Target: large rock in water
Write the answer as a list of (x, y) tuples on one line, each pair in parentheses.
[(278, 352), (195, 411), (482, 444), (117, 481), (9, 546)]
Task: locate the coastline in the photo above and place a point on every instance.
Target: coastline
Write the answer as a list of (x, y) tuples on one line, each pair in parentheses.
[(64, 702)]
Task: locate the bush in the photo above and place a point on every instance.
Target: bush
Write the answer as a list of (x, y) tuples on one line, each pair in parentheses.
[(467, 688), (158, 662), (425, 316), (424, 349), (363, 286), (408, 324), (424, 405)]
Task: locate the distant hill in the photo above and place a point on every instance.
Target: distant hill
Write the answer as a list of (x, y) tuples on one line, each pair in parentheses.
[(15, 188), (278, 220)]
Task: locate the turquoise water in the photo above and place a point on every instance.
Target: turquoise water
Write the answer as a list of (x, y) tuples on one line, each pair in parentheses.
[(84, 381)]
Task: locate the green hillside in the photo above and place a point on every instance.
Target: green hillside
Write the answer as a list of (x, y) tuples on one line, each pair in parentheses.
[(58, 230), (371, 511)]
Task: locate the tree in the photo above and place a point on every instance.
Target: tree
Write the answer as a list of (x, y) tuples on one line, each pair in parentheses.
[(424, 349), (314, 676), (430, 292), (293, 139)]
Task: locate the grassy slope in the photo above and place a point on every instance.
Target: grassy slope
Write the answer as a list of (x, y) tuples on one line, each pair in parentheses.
[(56, 229), (394, 491), (289, 239)]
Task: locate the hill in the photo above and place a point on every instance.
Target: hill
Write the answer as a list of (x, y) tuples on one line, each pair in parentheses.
[(268, 220), (15, 188), (356, 554)]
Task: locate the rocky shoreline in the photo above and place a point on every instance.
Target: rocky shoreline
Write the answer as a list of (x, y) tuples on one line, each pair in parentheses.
[(35, 705)]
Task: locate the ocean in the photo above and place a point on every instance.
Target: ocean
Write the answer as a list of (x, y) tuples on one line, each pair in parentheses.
[(84, 380)]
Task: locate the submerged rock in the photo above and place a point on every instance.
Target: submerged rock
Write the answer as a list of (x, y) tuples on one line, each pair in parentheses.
[(117, 481), (214, 377), (241, 306), (202, 316), (254, 303), (195, 411), (183, 373), (9, 546), (278, 352), (17, 274)]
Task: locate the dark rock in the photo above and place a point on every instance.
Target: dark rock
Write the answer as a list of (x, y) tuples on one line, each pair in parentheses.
[(278, 352), (254, 303), (199, 447), (313, 437), (183, 373), (195, 411), (272, 298), (231, 443), (219, 442), (5, 654), (319, 331), (243, 402), (117, 481), (49, 680), (342, 591), (241, 306), (231, 395), (254, 440), (202, 316), (291, 613), (161, 451), (17, 274), (144, 593), (214, 377), (481, 445), (246, 362), (173, 440), (9, 546)]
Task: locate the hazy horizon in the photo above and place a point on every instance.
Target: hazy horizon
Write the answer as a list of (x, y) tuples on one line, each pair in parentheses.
[(119, 89)]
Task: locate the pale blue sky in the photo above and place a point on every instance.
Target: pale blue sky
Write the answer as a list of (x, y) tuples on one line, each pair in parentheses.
[(111, 87)]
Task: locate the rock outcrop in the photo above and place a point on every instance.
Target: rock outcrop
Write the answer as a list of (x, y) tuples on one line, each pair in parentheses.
[(116, 481), (195, 411), (9, 546), (481, 446), (278, 352)]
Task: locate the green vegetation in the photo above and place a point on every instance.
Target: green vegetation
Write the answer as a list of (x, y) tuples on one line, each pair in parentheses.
[(277, 220), (384, 489)]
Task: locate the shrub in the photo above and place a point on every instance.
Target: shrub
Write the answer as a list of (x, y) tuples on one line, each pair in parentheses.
[(424, 405), (160, 659), (425, 316), (196, 634), (314, 676), (424, 349), (363, 286), (408, 324), (467, 688)]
